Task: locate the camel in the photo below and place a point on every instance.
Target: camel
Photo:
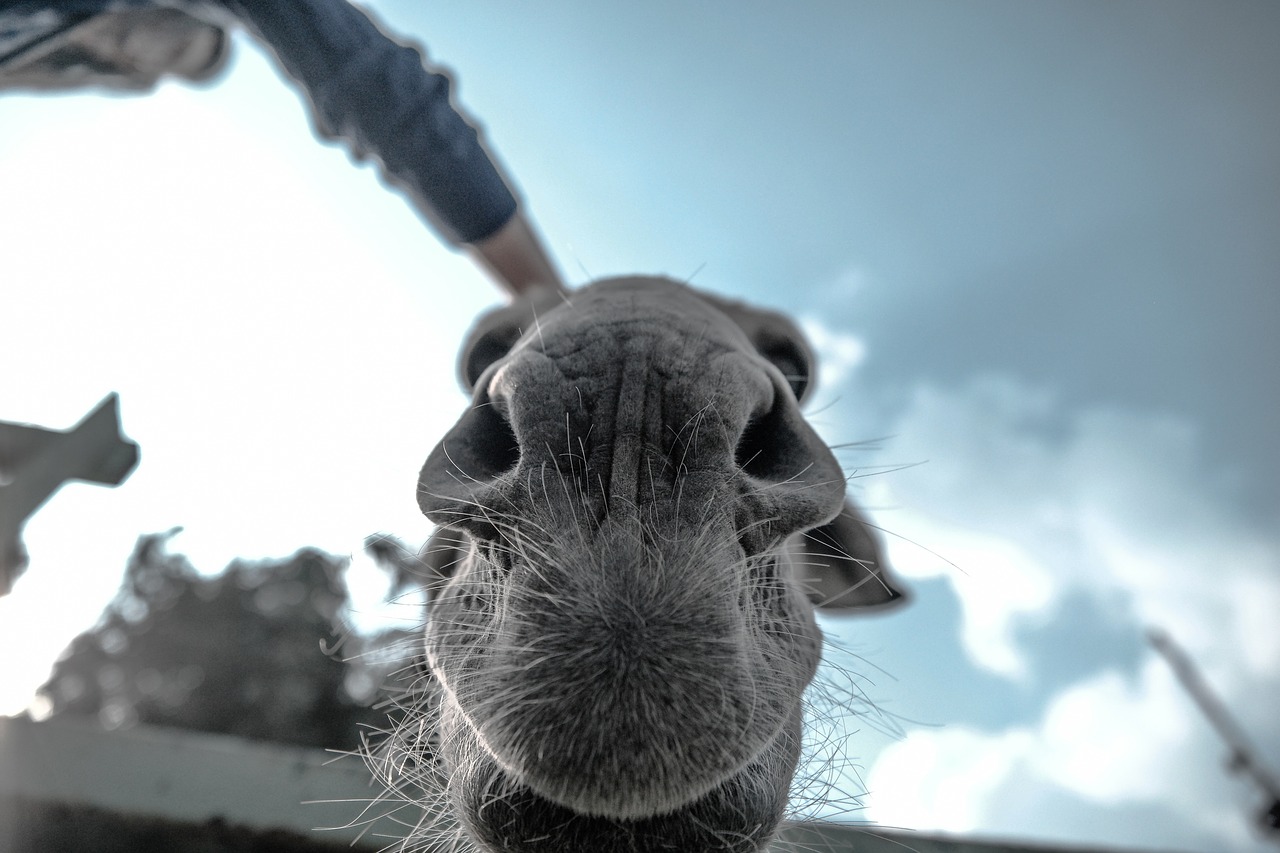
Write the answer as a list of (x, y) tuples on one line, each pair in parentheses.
[(636, 525)]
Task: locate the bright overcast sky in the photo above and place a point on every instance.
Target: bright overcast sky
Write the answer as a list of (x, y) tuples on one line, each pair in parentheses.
[(1037, 245)]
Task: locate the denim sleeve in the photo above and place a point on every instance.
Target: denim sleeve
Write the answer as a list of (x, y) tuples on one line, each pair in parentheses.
[(378, 96)]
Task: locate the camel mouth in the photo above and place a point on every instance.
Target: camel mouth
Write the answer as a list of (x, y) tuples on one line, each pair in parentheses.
[(502, 814), (656, 679)]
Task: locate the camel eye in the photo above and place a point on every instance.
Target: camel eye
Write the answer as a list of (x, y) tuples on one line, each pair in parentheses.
[(792, 361), (793, 366), (485, 349)]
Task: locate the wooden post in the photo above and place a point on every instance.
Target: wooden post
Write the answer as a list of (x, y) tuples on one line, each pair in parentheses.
[(35, 462)]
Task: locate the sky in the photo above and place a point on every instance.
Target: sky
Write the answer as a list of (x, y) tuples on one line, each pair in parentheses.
[(1036, 245)]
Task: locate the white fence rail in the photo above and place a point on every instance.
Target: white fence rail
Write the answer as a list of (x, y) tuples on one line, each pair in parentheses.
[(188, 778)]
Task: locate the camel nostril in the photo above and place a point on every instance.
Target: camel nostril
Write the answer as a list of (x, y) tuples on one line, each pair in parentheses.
[(762, 448), (495, 450), (751, 454)]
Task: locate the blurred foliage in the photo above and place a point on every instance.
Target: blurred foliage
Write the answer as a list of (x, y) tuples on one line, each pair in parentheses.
[(260, 651)]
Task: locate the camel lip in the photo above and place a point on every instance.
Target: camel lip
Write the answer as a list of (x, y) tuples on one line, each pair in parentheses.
[(617, 807), (559, 751), (501, 814)]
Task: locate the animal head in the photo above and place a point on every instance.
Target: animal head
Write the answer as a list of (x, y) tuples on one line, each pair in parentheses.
[(636, 525)]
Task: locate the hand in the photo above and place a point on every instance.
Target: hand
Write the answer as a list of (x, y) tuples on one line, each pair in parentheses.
[(114, 46), (515, 258)]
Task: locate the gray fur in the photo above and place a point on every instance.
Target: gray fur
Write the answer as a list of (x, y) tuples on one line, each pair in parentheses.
[(636, 523)]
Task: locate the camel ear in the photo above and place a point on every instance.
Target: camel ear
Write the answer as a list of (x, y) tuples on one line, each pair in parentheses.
[(842, 567)]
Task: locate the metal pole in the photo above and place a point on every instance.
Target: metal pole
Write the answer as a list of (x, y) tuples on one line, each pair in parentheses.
[(1242, 755)]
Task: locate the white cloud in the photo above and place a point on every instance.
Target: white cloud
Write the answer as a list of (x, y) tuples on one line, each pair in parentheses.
[(1107, 740), (838, 353), (849, 283), (1111, 740), (1032, 504), (1007, 582), (952, 776)]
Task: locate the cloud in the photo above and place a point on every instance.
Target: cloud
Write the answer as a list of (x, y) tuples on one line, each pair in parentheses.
[(1108, 741), (999, 582), (1023, 505), (1029, 502), (838, 353), (851, 282), (1111, 740), (952, 776)]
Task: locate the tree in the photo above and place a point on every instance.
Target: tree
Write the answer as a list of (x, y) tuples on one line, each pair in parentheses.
[(247, 652)]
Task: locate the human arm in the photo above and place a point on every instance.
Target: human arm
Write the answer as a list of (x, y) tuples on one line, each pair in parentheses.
[(381, 98), (365, 89)]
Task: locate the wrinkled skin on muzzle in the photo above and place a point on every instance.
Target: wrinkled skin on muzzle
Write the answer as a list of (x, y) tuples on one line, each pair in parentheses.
[(636, 525)]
